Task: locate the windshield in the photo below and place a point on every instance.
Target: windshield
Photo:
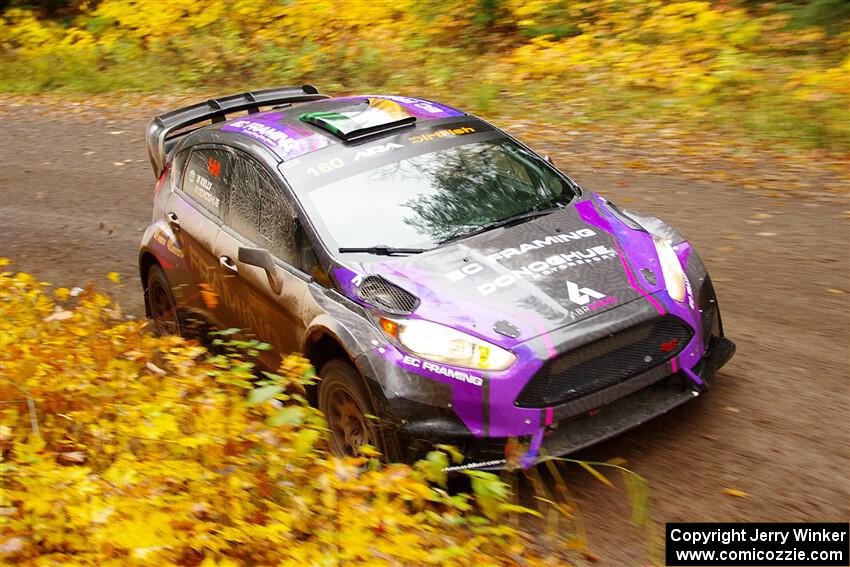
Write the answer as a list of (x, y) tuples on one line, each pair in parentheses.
[(424, 200)]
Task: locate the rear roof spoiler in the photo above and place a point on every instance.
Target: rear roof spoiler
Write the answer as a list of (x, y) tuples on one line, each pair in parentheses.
[(164, 130)]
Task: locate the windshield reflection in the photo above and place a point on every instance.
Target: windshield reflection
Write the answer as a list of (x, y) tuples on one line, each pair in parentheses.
[(421, 201)]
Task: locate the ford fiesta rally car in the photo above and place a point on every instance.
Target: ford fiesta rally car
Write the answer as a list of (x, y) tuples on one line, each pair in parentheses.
[(437, 272)]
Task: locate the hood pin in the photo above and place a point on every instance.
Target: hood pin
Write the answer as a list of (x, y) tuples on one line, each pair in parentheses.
[(506, 328)]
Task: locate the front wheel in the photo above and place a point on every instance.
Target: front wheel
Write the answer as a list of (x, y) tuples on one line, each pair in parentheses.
[(345, 403)]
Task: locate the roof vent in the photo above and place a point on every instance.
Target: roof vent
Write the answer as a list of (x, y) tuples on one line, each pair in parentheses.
[(361, 119), (388, 297)]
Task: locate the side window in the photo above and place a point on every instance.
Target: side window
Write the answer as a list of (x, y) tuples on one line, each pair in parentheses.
[(178, 163), (260, 211), (206, 178), (243, 211)]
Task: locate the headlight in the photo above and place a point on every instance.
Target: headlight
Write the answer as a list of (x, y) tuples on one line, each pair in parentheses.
[(443, 344), (674, 276)]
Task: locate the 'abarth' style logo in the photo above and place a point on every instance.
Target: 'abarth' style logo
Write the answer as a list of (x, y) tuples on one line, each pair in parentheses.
[(581, 296)]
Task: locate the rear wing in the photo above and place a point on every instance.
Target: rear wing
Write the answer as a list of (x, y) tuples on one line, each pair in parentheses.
[(164, 130)]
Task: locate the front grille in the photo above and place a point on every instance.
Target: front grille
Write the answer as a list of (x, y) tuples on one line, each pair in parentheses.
[(386, 296), (605, 362)]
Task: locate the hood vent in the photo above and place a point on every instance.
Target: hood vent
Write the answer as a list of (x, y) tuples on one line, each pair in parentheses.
[(388, 297)]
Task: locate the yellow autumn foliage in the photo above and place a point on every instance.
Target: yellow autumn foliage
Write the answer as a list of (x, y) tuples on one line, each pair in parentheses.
[(754, 70), (122, 448)]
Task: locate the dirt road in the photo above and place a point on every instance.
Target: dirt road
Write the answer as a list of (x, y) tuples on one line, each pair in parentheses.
[(76, 194)]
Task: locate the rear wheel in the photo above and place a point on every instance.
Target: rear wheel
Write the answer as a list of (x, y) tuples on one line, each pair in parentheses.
[(163, 307), (345, 403)]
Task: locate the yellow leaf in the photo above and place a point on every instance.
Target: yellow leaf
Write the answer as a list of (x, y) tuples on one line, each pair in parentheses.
[(114, 277), (735, 492), (209, 297), (598, 475), (369, 451)]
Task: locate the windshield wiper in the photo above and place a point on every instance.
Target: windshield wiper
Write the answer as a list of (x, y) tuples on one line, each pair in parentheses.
[(382, 250), (507, 221)]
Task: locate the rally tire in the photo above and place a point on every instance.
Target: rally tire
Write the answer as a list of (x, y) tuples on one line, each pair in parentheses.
[(344, 400), (165, 317)]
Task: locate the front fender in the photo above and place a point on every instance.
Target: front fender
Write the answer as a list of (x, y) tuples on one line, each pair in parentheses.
[(344, 321)]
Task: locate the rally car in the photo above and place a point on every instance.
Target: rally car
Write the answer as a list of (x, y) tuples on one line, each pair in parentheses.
[(438, 273)]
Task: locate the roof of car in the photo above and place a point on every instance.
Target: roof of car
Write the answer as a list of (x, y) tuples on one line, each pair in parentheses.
[(291, 131)]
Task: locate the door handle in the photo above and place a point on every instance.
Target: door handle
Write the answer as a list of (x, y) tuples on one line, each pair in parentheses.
[(228, 264), (173, 220)]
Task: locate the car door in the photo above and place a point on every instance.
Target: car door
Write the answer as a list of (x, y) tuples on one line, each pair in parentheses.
[(193, 212), (266, 305)]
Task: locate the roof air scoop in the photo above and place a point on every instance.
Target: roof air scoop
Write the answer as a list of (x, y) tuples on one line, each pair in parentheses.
[(361, 119), (387, 297)]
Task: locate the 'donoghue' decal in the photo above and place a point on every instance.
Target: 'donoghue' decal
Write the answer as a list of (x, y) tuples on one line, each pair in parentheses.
[(286, 140), (535, 269)]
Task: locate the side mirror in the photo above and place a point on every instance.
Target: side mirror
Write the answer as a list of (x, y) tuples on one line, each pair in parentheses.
[(261, 258)]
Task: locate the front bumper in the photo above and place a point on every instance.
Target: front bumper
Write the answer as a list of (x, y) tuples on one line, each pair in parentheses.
[(609, 420), (481, 420)]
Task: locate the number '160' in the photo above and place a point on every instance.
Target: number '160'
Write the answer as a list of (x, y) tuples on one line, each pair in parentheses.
[(326, 167)]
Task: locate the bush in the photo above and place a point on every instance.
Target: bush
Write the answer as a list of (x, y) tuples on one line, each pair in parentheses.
[(119, 447)]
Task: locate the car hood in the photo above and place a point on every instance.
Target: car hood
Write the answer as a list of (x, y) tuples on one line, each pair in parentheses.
[(511, 284)]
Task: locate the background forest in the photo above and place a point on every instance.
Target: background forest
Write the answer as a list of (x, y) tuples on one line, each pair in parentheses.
[(775, 71)]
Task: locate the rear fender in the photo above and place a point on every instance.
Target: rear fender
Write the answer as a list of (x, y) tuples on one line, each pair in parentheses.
[(161, 247), (160, 242)]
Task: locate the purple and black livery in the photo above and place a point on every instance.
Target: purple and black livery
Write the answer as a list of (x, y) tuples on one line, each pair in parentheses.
[(606, 317)]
